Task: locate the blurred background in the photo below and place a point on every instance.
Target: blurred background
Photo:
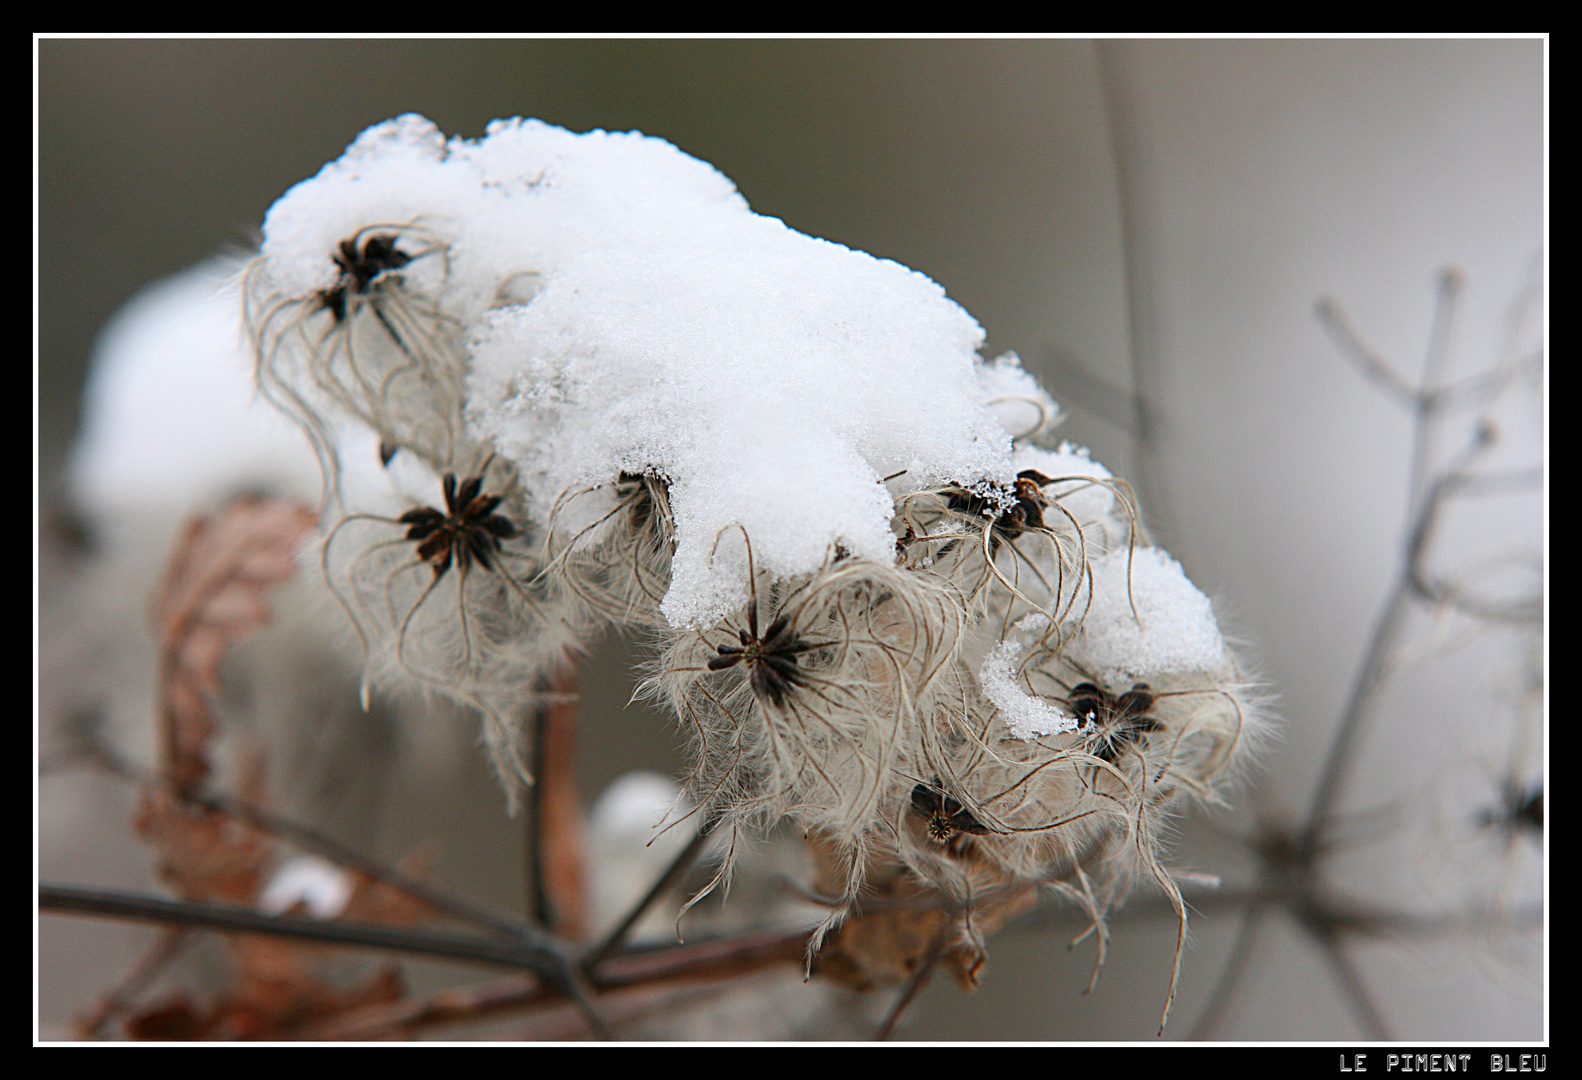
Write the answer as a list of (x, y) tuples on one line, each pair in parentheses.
[(1149, 224)]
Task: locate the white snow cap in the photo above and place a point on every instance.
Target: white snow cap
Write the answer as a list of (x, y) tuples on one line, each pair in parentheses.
[(171, 419), (1172, 632), (772, 378), (315, 883), (640, 318)]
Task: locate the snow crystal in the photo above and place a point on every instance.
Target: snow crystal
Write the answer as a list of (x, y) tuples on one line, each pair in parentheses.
[(1027, 717), (1172, 632), (1035, 622)]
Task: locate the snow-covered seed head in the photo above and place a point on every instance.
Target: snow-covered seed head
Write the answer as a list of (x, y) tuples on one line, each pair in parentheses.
[(610, 544), (881, 611), (1022, 550), (799, 702)]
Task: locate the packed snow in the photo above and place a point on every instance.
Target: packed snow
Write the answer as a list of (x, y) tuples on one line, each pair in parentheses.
[(627, 312)]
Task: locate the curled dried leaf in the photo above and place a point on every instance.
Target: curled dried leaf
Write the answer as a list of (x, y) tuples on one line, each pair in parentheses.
[(908, 919), (215, 593), (206, 853)]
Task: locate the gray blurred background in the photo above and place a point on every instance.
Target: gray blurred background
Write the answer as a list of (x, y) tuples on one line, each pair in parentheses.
[(1146, 220)]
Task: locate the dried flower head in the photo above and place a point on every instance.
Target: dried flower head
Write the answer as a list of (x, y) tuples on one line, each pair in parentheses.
[(375, 343), (453, 600)]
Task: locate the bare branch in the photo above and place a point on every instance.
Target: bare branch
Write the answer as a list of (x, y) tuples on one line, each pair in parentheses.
[(1358, 996), (1231, 975), (540, 954), (695, 964), (918, 980)]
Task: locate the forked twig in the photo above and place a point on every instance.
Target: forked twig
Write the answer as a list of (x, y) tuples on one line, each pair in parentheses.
[(667, 880), (1291, 862), (708, 962)]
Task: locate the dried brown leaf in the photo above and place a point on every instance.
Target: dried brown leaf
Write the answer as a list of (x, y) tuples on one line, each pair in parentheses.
[(172, 1019), (280, 987), (264, 1008), (383, 904), (204, 852), (884, 946), (215, 593)]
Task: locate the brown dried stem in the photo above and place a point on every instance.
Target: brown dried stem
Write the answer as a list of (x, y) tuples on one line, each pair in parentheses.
[(557, 885), (706, 963)]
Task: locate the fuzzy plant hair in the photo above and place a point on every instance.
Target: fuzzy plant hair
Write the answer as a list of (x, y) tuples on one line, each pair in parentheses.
[(449, 596), (609, 545), (373, 340), (800, 705)]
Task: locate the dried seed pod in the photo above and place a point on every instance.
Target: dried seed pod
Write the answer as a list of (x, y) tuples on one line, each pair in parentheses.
[(451, 599)]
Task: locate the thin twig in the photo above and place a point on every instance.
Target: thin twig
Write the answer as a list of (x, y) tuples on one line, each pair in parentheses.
[(1382, 646), (1230, 976), (556, 880), (548, 958), (1439, 591), (1094, 394), (1429, 405), (559, 815), (352, 859), (1351, 346), (545, 957), (1348, 916), (667, 880), (1357, 993), (698, 962), (165, 949), (1137, 204), (917, 980), (577, 987), (1424, 500), (311, 839), (535, 891), (626, 1007)]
